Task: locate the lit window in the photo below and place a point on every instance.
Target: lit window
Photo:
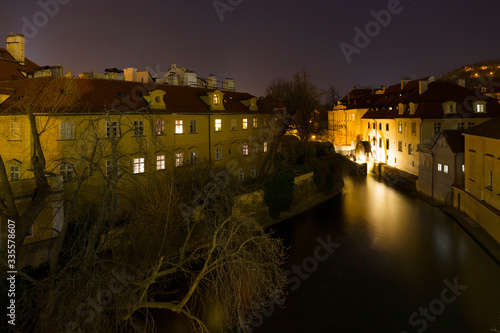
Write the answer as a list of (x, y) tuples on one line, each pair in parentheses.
[(479, 107), (139, 165), (192, 126), (254, 172), (255, 123), (218, 125), (218, 154), (160, 162), (192, 157), (66, 171), (245, 150), (245, 123), (242, 174), (14, 173), (265, 147), (138, 128), (216, 99), (233, 124), (14, 130), (463, 168), (179, 129), (400, 126), (112, 129), (160, 127), (66, 130), (179, 159), (440, 167), (445, 168)]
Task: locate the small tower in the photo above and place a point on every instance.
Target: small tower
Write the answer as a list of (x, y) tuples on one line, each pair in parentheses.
[(15, 46)]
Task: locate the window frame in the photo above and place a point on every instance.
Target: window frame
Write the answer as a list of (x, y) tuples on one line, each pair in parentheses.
[(67, 171), (179, 159), (244, 123), (160, 127), (178, 126), (138, 127), (66, 130), (14, 174), (193, 126), (139, 165), (14, 130), (160, 162), (218, 125), (112, 126)]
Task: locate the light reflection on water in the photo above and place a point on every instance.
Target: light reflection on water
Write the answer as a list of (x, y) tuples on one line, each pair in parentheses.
[(396, 251)]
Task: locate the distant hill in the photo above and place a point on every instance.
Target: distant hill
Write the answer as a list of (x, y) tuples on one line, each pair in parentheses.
[(476, 74)]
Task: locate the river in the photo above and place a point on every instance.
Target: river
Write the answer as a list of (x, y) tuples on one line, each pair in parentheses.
[(376, 259)]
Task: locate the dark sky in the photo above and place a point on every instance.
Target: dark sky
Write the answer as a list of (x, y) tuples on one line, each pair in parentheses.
[(259, 40)]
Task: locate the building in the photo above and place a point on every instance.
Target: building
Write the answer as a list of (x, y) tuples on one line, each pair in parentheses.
[(344, 121), (130, 128), (414, 112), (441, 165), (13, 62), (480, 198)]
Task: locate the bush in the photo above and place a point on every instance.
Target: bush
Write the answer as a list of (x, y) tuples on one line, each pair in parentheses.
[(278, 193)]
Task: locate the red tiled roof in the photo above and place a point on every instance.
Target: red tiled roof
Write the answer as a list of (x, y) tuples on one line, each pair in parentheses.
[(488, 129), (11, 70), (77, 95), (454, 139)]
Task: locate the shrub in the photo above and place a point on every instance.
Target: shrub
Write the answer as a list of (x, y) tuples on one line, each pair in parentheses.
[(278, 193)]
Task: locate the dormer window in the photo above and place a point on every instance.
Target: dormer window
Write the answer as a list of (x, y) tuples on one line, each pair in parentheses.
[(480, 107), (216, 99), (401, 108), (450, 107), (413, 108)]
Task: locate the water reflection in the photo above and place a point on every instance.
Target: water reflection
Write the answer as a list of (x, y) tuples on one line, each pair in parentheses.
[(395, 252)]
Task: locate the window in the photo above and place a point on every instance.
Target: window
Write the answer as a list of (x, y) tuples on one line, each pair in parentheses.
[(368, 125), (66, 171), (218, 154), (463, 168), (400, 146), (380, 142), (139, 165), (66, 130), (14, 130), (413, 128), (179, 129), (255, 122), (386, 127), (138, 128), (192, 157), (470, 124), (374, 125), (112, 129), (253, 172), (160, 127), (440, 167), (216, 99), (479, 108), (14, 173), (410, 149), (449, 108), (160, 162), (245, 150), (379, 126), (242, 174), (437, 128), (265, 147), (400, 126), (445, 168), (108, 168), (179, 159), (192, 126), (460, 125), (233, 124), (245, 123), (218, 125), (255, 148), (387, 144), (490, 179)]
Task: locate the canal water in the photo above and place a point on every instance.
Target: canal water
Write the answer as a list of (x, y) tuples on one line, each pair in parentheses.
[(376, 259)]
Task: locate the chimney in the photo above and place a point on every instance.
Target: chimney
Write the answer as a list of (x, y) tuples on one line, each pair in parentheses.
[(212, 82), (404, 82), (229, 84), (130, 74), (423, 85), (384, 87), (15, 46), (57, 70)]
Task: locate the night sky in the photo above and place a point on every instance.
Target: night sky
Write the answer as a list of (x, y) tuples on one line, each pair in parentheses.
[(259, 40)]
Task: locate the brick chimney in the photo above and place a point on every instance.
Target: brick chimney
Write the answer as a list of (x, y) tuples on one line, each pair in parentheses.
[(15, 46)]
